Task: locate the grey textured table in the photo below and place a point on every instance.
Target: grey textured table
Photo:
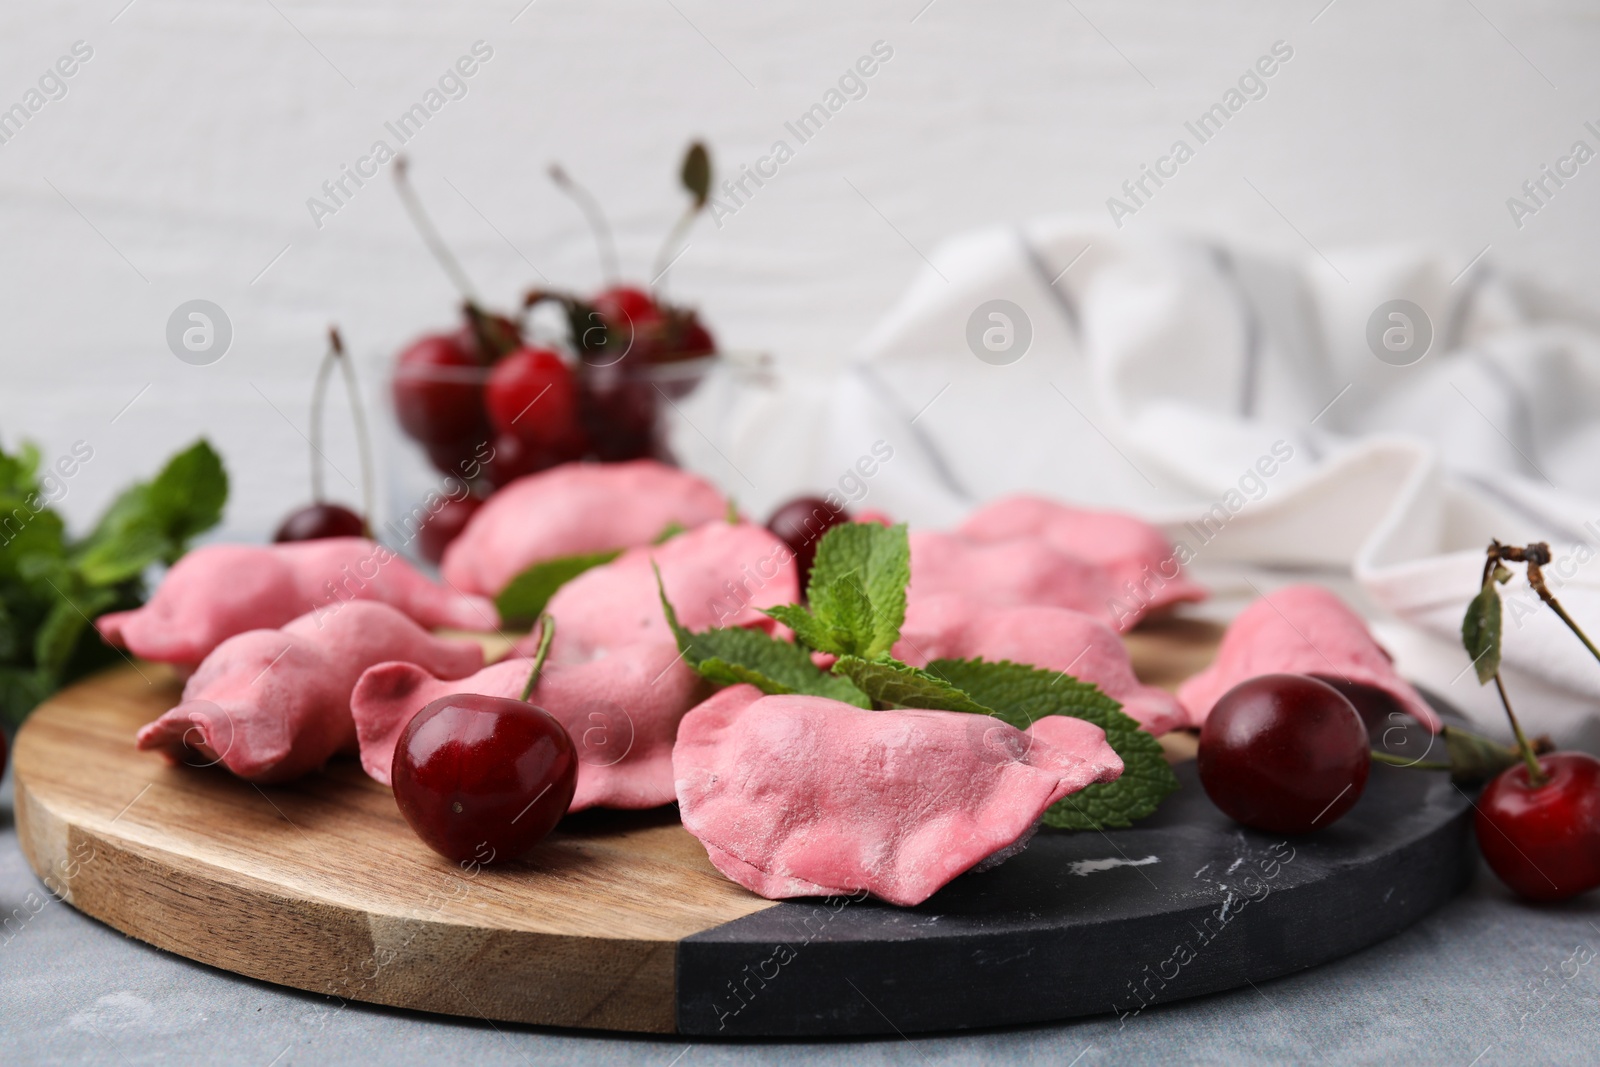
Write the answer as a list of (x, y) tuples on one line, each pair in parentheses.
[(1485, 980)]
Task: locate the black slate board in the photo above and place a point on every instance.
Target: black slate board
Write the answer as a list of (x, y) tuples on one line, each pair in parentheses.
[(1187, 902)]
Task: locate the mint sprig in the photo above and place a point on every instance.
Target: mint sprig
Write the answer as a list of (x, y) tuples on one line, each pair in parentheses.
[(1021, 695), (857, 591), (734, 655), (52, 585)]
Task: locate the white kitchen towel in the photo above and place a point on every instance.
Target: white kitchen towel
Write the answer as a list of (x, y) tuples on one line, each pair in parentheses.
[(1274, 415)]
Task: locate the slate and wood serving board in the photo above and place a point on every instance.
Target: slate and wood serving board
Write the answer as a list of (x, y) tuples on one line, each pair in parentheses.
[(619, 921)]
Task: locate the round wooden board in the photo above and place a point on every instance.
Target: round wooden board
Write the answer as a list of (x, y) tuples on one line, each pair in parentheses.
[(618, 921)]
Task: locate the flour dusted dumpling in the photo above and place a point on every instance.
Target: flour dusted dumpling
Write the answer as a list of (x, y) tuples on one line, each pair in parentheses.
[(217, 591), (951, 626), (1133, 552), (803, 796), (1022, 570), (572, 510), (272, 705), (621, 711), (719, 574), (1300, 629)]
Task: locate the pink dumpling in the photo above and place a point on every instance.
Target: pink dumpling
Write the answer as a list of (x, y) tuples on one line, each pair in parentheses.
[(718, 574), (621, 711), (950, 626), (571, 510), (1133, 551), (802, 796), (1300, 629), (217, 591), (275, 704), (1025, 570)]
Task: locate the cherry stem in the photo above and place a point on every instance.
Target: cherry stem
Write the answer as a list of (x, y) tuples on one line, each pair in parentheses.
[(1535, 772), (667, 257), (547, 633), (1400, 761), (598, 225), (359, 419), (430, 235), (319, 394)]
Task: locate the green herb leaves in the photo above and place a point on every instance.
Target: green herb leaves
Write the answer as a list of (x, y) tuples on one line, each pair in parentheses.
[(525, 596), (1020, 695), (51, 587), (857, 591), (153, 522), (734, 655)]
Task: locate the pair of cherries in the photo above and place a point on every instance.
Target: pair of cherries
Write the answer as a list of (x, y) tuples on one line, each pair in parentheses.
[(1290, 754)]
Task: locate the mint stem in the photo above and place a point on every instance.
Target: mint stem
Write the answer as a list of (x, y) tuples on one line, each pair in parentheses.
[(547, 633)]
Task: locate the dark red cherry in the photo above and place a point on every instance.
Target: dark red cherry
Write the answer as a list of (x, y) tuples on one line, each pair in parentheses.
[(619, 415), (1284, 753), (317, 521), (515, 458), (800, 524), (1544, 841), (483, 778), (445, 525), (438, 391), (628, 310), (463, 459), (695, 339), (533, 394)]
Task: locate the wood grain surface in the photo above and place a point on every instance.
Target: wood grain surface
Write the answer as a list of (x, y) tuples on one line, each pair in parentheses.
[(320, 885)]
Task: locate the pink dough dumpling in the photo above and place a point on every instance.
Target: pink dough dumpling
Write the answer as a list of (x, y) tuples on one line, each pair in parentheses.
[(719, 574), (800, 796), (1134, 552), (217, 591), (571, 510), (1300, 629), (1025, 570), (949, 626), (275, 704), (622, 713)]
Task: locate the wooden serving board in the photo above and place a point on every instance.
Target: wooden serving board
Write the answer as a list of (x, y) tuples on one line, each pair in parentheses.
[(618, 921)]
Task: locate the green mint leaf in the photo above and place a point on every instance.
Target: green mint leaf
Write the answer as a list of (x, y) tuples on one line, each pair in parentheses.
[(1020, 695), (525, 596), (668, 532), (850, 614), (57, 637), (1480, 632), (154, 521), (189, 494), (733, 655), (807, 630), (895, 684), (19, 473), (879, 559)]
